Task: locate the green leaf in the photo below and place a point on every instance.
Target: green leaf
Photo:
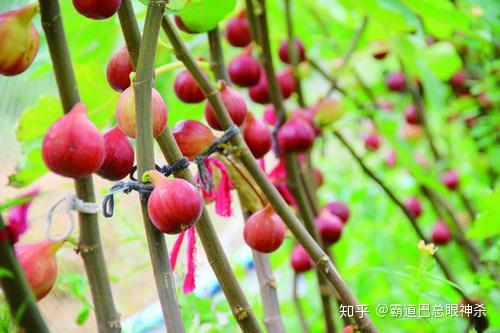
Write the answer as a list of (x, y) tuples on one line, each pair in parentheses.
[(204, 15), (36, 120), (83, 314), (442, 59), (5, 273), (29, 169), (486, 225)]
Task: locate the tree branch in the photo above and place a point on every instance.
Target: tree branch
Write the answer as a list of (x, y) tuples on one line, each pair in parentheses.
[(294, 52)]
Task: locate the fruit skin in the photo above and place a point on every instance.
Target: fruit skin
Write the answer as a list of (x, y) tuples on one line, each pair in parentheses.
[(339, 209), (187, 89), (484, 100), (125, 113), (413, 206), (257, 136), (327, 111), (301, 261), (174, 205), (441, 234), (73, 146), (244, 70), (192, 137), (19, 40), (450, 179), (283, 51), (235, 105), (118, 70), (396, 82), (348, 329), (264, 230), (39, 263), (97, 9), (296, 135), (411, 115), (329, 226), (238, 31), (269, 115), (286, 82), (118, 156), (372, 142), (259, 93), (458, 83)]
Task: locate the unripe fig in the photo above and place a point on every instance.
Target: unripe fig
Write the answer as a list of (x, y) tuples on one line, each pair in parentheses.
[(339, 209), (412, 132), (264, 231), (174, 205), (286, 82), (244, 70), (318, 176), (192, 137), (39, 263), (269, 115), (396, 82), (372, 141), (259, 93), (187, 89), (182, 26), (235, 105), (413, 206), (125, 113), (484, 100), (73, 146), (284, 54), (238, 31), (450, 179), (327, 111), (19, 40), (411, 115), (119, 69), (329, 226), (118, 157), (301, 261), (441, 234), (97, 9), (257, 136), (296, 135)]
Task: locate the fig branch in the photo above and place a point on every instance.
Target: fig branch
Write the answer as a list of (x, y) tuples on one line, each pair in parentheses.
[(279, 204), (89, 245), (294, 52)]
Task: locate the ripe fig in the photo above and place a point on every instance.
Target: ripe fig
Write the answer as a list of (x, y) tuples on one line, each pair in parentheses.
[(296, 135), (19, 40), (450, 179), (330, 227), (235, 105), (238, 31), (284, 54), (187, 89), (412, 132), (372, 141), (97, 9), (327, 111), (441, 234), (411, 115), (301, 261), (125, 113), (396, 82), (413, 206), (119, 69), (286, 82), (118, 157), (339, 209), (39, 263), (244, 70), (269, 115), (192, 137), (259, 93), (257, 136), (73, 146), (264, 231), (459, 84), (174, 205)]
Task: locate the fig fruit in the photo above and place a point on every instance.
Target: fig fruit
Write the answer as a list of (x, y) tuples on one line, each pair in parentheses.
[(187, 89), (97, 9), (119, 69), (284, 54), (450, 179), (257, 136), (396, 82), (192, 137), (441, 234), (411, 115), (339, 209), (330, 227), (296, 135), (244, 70), (372, 141), (238, 31), (235, 105), (327, 111), (264, 230), (301, 261), (413, 206), (118, 156)]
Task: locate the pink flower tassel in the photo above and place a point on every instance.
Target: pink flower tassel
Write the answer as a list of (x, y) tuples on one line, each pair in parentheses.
[(222, 194), (189, 280), (175, 249), (17, 223)]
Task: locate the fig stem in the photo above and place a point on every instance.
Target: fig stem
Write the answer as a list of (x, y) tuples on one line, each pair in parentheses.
[(108, 319), (176, 65), (293, 51)]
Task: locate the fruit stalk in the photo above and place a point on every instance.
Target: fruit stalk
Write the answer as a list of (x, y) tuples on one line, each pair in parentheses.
[(281, 207), (17, 290), (89, 245), (143, 85)]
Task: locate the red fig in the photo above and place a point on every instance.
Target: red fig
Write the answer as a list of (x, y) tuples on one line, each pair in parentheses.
[(458, 83), (187, 89), (372, 141), (119, 69), (97, 9), (39, 263), (19, 40), (414, 207), (450, 179), (244, 70), (264, 231), (192, 137), (235, 105), (441, 234), (125, 113), (396, 82), (318, 176), (119, 155), (301, 261), (286, 82), (269, 115), (285, 56), (238, 31), (411, 115), (329, 226), (73, 146), (296, 135), (257, 136), (339, 209), (259, 93), (174, 205)]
